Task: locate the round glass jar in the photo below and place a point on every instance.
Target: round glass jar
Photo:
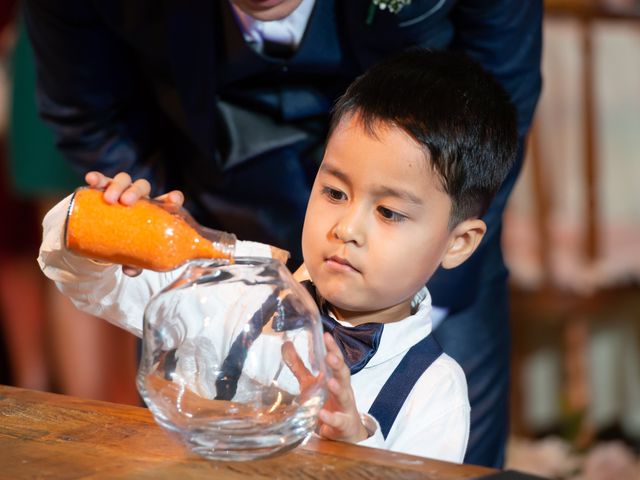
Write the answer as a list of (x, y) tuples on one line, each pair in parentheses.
[(220, 348)]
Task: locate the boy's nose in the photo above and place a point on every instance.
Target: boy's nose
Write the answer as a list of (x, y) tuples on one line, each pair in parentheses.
[(350, 228)]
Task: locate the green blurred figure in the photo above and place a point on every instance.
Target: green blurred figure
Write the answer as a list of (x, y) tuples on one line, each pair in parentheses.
[(49, 346)]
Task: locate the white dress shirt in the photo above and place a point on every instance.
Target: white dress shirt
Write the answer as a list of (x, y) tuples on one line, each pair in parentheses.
[(287, 31), (434, 420)]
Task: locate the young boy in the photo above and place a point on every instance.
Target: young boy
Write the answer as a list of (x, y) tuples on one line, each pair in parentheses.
[(417, 148)]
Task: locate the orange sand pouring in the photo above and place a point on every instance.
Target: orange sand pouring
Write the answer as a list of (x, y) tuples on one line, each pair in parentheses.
[(143, 235)]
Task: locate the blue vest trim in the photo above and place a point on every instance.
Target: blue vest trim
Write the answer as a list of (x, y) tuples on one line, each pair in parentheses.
[(395, 391)]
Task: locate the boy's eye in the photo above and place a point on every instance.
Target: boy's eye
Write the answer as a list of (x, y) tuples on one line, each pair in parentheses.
[(333, 194), (390, 215)]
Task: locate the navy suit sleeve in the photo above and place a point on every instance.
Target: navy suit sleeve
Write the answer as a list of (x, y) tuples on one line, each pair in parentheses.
[(505, 36), (88, 90)]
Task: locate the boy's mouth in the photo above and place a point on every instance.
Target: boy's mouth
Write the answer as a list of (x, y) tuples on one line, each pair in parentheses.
[(340, 263)]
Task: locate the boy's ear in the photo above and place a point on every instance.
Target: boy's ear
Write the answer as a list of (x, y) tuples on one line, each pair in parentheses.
[(464, 240)]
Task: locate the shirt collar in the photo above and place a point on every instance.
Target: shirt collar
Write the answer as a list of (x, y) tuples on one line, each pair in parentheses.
[(287, 31), (398, 337)]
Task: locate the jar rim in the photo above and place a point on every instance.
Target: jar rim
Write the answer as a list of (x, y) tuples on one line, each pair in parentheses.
[(244, 260)]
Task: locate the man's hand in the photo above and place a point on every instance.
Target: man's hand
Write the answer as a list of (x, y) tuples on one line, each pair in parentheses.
[(339, 418), (123, 189)]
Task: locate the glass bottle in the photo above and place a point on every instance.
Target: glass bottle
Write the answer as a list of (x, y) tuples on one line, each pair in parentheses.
[(233, 359), (148, 234)]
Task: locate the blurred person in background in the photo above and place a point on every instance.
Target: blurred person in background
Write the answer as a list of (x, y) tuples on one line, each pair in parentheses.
[(21, 305), (45, 353), (229, 102), (19, 280)]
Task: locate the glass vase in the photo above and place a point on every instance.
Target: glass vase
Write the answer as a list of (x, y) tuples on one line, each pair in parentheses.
[(233, 359)]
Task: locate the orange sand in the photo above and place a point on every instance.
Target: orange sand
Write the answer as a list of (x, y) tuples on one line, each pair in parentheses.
[(142, 235)]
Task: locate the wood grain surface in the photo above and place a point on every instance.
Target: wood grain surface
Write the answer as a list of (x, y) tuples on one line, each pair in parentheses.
[(44, 435)]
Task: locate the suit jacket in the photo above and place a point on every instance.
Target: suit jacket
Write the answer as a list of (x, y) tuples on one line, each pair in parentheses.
[(130, 85), (102, 64)]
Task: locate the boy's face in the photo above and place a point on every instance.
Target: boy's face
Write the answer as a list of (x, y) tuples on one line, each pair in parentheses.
[(377, 222)]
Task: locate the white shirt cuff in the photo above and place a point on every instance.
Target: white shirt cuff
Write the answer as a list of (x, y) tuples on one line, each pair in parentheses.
[(375, 440)]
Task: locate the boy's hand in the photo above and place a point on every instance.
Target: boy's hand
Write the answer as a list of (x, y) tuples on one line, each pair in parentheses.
[(123, 189), (119, 188), (339, 418)]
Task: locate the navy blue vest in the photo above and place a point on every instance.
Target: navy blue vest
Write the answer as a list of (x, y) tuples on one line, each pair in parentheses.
[(284, 101), (302, 86)]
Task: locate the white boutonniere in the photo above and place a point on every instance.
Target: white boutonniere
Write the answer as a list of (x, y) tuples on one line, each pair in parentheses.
[(393, 6)]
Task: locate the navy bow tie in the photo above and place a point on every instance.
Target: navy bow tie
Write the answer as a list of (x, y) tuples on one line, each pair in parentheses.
[(358, 344)]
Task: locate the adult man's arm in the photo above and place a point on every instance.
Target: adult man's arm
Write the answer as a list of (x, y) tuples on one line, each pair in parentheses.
[(89, 90), (506, 38)]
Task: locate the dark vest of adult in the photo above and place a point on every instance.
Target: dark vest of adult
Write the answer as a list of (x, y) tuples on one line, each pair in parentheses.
[(265, 102), (280, 101)]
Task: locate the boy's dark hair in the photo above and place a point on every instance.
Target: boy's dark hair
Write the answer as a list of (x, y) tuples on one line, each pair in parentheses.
[(452, 107)]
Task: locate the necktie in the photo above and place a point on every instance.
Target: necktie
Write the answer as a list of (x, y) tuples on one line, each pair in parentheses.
[(277, 50), (358, 344)]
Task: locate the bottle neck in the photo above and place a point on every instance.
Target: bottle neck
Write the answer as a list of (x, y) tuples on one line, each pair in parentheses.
[(222, 241)]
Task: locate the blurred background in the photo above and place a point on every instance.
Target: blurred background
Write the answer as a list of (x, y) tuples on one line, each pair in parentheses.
[(572, 241), (46, 344)]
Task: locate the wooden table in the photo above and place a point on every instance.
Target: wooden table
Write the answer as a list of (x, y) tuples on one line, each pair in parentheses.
[(44, 435)]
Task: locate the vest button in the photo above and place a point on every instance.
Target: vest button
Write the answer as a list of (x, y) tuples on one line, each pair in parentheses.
[(285, 69)]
